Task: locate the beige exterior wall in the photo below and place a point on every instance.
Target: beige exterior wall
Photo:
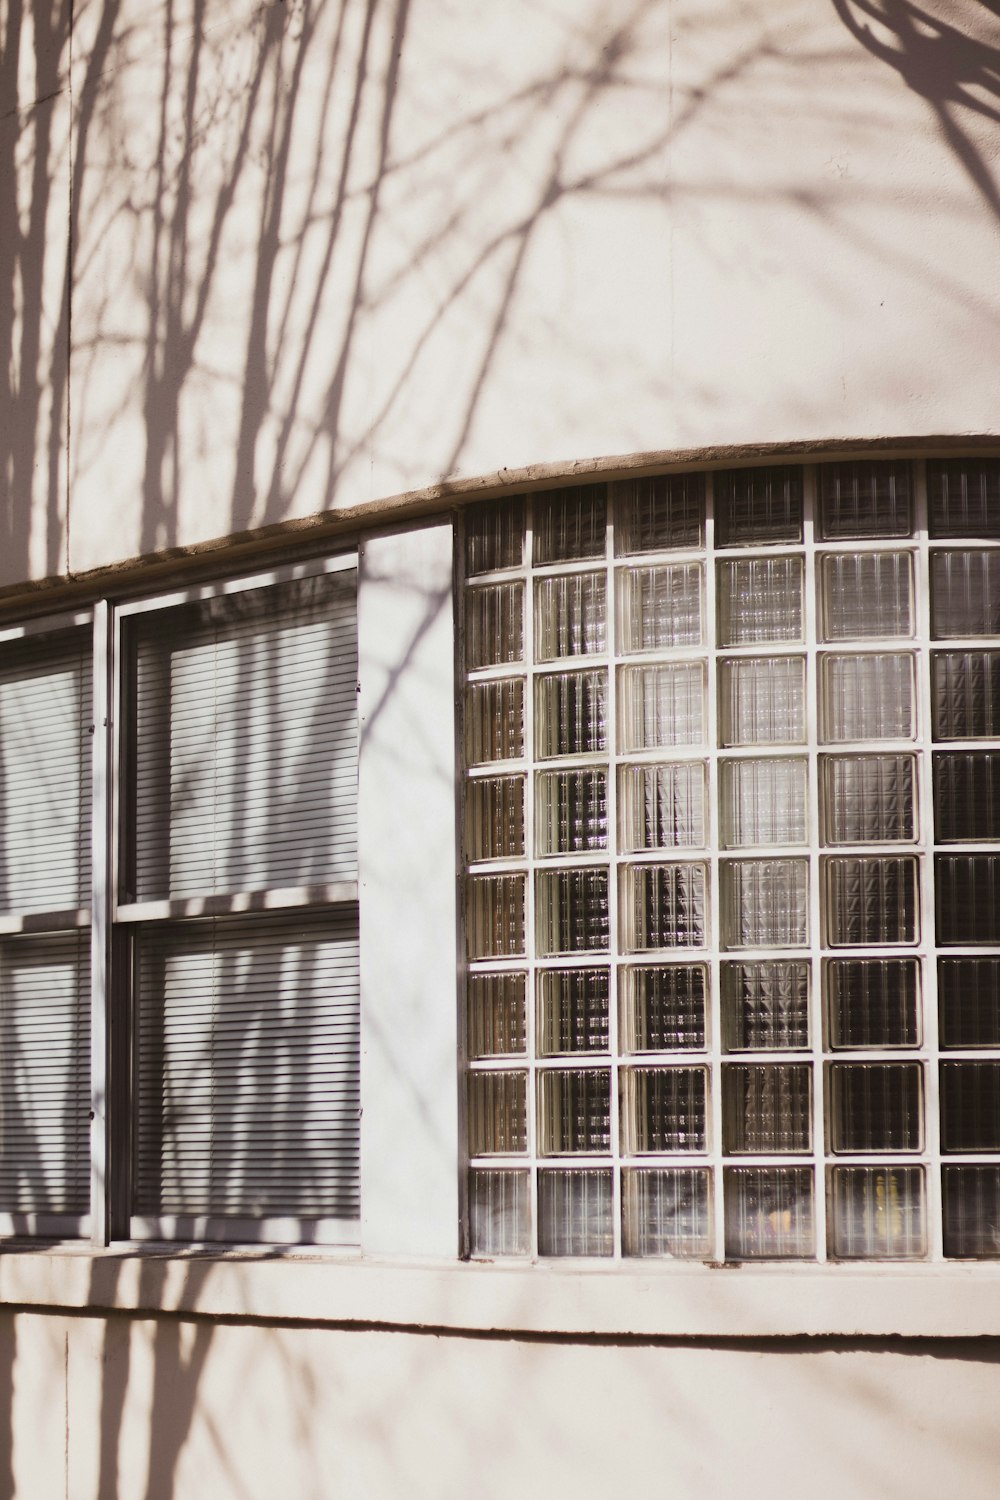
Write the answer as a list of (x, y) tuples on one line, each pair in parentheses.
[(146, 1409), (323, 255)]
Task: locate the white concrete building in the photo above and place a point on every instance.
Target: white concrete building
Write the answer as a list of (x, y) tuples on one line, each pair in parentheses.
[(499, 748)]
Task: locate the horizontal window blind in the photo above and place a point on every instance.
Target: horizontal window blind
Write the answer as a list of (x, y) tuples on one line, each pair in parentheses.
[(246, 741), (247, 1068), (45, 1074), (46, 700)]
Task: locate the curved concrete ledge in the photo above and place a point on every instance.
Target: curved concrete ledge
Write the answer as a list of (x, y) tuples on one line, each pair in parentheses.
[(668, 1302)]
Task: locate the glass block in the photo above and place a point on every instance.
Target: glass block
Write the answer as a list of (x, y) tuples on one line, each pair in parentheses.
[(967, 888), (575, 1213), (965, 594), (494, 625), (666, 1212), (497, 1118), (762, 802), (878, 1213), (868, 697), (574, 1111), (494, 721), (765, 1005), (762, 701), (664, 1109), (759, 599), (970, 1106), (868, 799), (494, 536), (766, 1108), (662, 906), (659, 608), (765, 903), (570, 713), (494, 916), (572, 1011), (967, 797), (971, 1203), (494, 817), (963, 497), (969, 1002), (865, 499), (659, 513), (495, 1015), (871, 900), (571, 811), (571, 911), (966, 694), (867, 595), (570, 616), (662, 806), (661, 706), (876, 1107), (570, 524), (769, 1213), (499, 1213), (663, 1007), (754, 506), (873, 1002)]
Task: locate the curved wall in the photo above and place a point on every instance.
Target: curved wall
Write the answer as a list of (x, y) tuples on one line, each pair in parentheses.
[(326, 255)]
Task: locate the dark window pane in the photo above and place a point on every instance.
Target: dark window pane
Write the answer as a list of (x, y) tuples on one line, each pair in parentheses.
[(963, 496), (967, 797), (869, 498), (968, 899), (971, 1210), (494, 536), (970, 1106), (965, 594), (659, 513), (875, 1107), (570, 523), (969, 999), (872, 1002), (758, 506), (966, 694)]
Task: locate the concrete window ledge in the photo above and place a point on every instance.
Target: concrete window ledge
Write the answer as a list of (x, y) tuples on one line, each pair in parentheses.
[(672, 1301)]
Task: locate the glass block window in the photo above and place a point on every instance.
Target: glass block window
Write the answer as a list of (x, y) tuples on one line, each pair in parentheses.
[(732, 880)]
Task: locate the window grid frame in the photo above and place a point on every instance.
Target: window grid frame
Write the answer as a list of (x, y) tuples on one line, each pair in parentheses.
[(918, 646), (127, 919)]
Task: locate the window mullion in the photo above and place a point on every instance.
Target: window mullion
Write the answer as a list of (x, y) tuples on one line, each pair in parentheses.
[(816, 1028), (713, 934)]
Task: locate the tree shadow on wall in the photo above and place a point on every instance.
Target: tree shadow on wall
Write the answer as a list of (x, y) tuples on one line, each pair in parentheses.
[(957, 72)]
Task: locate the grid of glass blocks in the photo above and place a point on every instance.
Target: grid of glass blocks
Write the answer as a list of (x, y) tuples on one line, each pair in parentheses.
[(732, 865)]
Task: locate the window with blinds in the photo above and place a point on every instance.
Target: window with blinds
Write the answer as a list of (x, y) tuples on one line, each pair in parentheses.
[(238, 896), (46, 739), (732, 865)]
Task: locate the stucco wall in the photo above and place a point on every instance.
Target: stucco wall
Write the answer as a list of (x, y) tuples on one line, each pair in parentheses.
[(325, 254), (145, 1409)]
